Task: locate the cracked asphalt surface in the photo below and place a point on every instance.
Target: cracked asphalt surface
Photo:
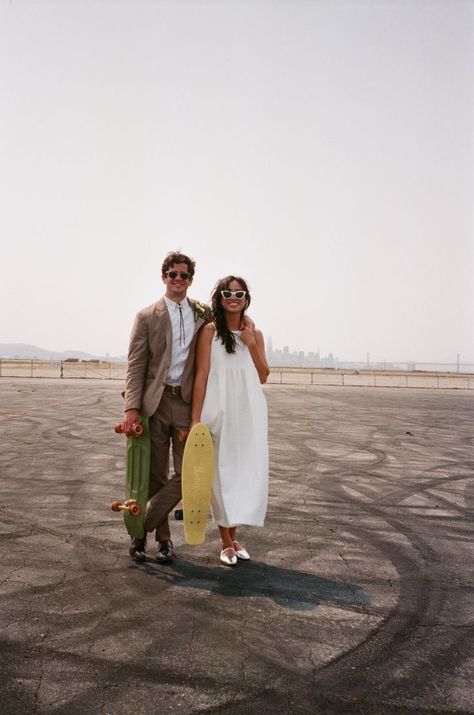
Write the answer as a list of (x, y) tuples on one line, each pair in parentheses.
[(359, 597)]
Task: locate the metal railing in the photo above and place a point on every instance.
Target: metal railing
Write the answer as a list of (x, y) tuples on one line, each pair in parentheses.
[(370, 378), (94, 369), (63, 369)]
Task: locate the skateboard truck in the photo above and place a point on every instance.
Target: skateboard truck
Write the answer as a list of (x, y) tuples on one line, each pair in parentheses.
[(137, 429), (130, 505)]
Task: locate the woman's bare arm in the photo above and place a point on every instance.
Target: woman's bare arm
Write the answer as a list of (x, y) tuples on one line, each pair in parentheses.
[(256, 345)]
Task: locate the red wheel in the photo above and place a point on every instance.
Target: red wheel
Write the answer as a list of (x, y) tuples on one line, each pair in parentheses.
[(115, 506), (137, 430), (118, 428), (134, 509)]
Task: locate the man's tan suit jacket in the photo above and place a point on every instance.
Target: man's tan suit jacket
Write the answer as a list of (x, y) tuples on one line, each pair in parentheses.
[(149, 358)]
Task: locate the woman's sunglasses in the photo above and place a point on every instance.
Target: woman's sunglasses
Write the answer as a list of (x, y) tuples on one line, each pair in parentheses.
[(239, 294), (182, 274)]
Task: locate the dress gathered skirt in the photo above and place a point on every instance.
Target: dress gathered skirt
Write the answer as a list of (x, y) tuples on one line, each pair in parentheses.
[(235, 410)]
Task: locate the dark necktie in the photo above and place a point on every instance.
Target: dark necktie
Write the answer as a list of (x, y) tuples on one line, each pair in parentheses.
[(182, 337)]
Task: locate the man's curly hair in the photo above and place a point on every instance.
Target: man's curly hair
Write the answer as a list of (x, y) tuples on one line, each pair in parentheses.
[(175, 257)]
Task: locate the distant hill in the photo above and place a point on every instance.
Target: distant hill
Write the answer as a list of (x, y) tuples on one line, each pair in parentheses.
[(33, 352)]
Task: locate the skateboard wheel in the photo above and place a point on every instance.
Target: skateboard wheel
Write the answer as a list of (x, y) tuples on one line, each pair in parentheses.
[(118, 428), (115, 506), (134, 509)]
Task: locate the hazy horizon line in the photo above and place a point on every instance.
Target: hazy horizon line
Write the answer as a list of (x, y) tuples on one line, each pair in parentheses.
[(295, 354)]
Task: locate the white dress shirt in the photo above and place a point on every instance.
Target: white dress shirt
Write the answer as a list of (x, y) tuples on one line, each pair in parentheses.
[(181, 343)]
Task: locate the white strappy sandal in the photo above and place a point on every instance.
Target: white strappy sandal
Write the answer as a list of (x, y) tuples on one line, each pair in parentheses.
[(230, 560), (241, 553)]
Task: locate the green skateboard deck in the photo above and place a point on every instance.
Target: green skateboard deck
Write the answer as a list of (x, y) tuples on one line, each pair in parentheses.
[(197, 477), (137, 479)]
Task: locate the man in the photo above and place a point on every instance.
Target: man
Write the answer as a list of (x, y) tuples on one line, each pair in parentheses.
[(159, 386)]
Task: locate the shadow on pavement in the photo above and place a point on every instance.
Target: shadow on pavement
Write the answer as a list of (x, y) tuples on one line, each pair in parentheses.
[(293, 589)]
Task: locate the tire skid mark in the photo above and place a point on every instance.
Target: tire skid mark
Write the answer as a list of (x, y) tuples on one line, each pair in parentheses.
[(400, 495), (383, 649)]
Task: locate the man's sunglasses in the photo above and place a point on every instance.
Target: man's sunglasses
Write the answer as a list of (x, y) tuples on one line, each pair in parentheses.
[(182, 274), (239, 294)]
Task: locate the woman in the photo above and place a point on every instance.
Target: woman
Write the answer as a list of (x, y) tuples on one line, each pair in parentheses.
[(228, 398)]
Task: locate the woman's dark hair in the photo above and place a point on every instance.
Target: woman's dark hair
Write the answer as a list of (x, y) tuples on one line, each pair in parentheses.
[(226, 336), (173, 258)]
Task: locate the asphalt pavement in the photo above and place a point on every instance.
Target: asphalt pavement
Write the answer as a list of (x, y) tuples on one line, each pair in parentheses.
[(358, 597)]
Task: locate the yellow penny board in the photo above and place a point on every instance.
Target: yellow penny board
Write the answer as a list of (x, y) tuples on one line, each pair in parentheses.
[(196, 476)]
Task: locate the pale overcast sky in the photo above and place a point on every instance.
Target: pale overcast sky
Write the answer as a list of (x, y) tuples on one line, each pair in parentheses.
[(323, 150)]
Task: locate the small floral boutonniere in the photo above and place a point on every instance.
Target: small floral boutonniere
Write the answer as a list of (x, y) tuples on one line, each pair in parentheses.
[(199, 311)]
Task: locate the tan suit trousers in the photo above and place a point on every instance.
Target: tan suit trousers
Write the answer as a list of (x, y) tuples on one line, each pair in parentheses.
[(172, 417)]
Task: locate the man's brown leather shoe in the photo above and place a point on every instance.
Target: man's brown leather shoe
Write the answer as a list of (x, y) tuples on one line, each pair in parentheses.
[(137, 549), (165, 553)]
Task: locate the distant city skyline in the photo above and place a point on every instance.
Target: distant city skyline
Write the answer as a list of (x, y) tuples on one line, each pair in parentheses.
[(279, 357)]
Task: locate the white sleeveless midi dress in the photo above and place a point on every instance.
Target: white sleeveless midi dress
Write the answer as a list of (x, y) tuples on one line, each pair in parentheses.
[(235, 410)]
